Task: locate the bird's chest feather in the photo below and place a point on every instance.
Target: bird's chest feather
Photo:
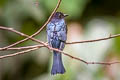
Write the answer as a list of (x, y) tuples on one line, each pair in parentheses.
[(55, 29)]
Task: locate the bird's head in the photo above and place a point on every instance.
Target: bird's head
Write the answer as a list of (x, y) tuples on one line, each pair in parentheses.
[(59, 15)]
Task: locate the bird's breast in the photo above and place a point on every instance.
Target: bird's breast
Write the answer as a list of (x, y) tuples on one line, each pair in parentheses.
[(57, 26)]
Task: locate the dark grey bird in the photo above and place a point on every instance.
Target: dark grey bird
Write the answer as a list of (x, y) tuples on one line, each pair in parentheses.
[(57, 35)]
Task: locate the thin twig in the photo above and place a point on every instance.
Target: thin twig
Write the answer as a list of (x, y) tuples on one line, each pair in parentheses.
[(79, 59), (26, 47), (17, 53), (95, 40), (104, 63), (22, 34), (36, 33)]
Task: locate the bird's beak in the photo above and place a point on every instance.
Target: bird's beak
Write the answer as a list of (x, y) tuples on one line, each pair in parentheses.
[(65, 15)]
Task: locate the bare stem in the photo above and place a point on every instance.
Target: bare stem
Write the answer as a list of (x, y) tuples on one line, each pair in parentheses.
[(61, 52), (95, 40), (36, 33), (26, 47), (17, 53), (22, 34)]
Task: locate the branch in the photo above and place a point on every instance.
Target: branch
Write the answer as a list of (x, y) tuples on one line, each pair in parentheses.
[(79, 59), (18, 53), (104, 63), (36, 33), (46, 45), (95, 40), (22, 34), (22, 48), (61, 52), (85, 41)]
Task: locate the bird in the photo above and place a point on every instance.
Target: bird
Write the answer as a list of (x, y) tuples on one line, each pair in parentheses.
[(57, 36)]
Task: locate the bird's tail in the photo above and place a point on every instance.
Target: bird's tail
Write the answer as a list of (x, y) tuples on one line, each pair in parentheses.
[(57, 67)]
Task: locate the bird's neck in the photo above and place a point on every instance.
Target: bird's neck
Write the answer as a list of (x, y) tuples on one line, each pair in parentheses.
[(56, 20)]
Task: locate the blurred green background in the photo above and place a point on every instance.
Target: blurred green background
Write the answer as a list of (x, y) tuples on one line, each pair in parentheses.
[(88, 19)]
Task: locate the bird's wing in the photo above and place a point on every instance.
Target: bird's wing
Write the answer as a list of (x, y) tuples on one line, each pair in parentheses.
[(57, 31), (50, 27), (62, 35)]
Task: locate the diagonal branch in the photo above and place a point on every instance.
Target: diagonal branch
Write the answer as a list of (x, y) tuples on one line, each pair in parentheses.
[(79, 59), (36, 33), (22, 34)]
